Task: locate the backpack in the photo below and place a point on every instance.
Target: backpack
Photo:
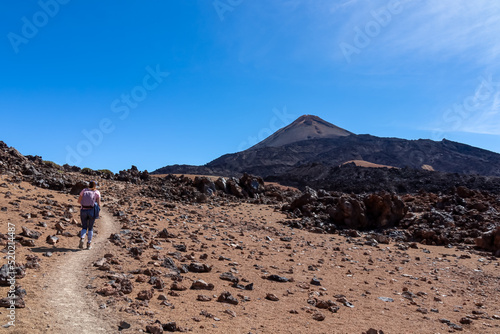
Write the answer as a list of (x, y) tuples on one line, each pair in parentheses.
[(88, 198)]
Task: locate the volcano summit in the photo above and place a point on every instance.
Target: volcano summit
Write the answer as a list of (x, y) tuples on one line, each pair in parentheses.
[(312, 140)]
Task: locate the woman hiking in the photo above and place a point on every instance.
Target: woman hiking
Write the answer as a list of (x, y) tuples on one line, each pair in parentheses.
[(90, 201)]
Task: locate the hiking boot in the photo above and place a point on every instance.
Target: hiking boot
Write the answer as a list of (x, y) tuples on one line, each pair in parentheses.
[(89, 246), (81, 243)]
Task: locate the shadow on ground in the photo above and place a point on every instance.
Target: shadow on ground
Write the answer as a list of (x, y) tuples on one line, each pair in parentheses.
[(54, 249)]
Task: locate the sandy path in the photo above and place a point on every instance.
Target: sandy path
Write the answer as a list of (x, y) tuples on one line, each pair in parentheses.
[(70, 304)]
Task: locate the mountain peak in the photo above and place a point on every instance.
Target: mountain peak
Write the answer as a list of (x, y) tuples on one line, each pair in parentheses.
[(303, 128)]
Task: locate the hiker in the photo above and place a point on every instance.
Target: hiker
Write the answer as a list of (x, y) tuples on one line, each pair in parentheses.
[(90, 201)]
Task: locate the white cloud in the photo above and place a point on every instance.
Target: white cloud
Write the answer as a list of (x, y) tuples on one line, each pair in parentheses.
[(424, 30), (430, 31), (477, 113), (449, 28), (486, 120)]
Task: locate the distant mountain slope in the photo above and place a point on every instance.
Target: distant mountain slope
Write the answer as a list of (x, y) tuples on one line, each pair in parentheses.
[(446, 156), (350, 178), (305, 127), (339, 146)]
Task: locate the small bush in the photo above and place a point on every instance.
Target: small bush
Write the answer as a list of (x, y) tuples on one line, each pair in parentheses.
[(106, 174), (87, 171), (51, 164)]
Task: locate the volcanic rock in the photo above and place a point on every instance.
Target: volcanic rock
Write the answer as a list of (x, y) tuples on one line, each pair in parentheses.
[(196, 267), (272, 297), (145, 295), (202, 285), (52, 239), (226, 297), (29, 233)]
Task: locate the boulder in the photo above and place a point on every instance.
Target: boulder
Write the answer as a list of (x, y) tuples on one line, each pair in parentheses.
[(490, 240)]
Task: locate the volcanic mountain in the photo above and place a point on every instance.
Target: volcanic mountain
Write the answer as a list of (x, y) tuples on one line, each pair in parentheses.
[(303, 128), (309, 140)]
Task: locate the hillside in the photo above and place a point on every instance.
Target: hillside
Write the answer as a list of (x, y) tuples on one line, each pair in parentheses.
[(269, 159)]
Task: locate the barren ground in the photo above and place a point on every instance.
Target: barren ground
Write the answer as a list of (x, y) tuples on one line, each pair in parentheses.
[(419, 286)]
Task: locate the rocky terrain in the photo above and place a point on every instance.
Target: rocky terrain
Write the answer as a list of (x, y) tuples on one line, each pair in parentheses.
[(239, 255), (351, 178)]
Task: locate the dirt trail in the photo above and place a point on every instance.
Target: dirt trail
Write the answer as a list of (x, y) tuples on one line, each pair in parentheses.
[(70, 304)]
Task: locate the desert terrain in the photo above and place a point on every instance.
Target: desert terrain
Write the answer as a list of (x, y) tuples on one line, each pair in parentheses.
[(176, 253)]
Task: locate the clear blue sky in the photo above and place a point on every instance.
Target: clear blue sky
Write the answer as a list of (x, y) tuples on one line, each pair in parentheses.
[(108, 84)]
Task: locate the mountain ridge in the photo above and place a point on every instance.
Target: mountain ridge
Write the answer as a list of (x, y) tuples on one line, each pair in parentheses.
[(266, 161)]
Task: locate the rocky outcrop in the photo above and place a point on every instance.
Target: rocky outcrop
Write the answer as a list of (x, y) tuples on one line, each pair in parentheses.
[(490, 240), (132, 175), (202, 189), (459, 216)]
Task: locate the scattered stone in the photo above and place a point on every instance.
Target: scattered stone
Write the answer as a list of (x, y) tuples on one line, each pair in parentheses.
[(323, 304), (171, 327), (5, 274), (196, 267), (276, 278), (165, 234), (202, 285), (145, 295), (123, 325), (176, 286), (126, 286), (315, 281), (318, 316), (304, 286), (52, 239), (228, 276), (373, 331), (60, 227), (18, 302), (154, 329), (29, 233), (100, 262), (226, 297), (27, 242), (272, 297), (203, 298), (230, 312), (345, 302), (107, 290)]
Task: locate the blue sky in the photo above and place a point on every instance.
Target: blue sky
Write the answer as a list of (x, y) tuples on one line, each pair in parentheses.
[(108, 84)]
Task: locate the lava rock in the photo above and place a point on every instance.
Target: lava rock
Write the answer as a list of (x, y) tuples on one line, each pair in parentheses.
[(226, 297)]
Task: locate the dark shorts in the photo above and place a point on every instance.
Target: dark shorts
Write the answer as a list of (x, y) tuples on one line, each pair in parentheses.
[(87, 217)]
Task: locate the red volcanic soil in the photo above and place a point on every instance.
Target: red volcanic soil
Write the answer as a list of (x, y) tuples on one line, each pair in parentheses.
[(150, 254)]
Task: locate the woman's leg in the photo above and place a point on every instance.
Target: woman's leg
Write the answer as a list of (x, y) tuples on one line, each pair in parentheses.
[(84, 218), (91, 222)]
